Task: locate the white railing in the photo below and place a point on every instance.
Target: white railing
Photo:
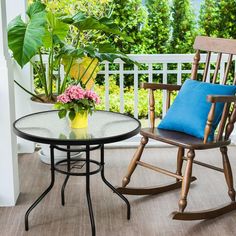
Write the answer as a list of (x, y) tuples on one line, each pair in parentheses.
[(150, 60), (164, 61)]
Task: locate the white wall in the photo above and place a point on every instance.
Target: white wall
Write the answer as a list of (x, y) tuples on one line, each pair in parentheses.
[(9, 179), (23, 76)]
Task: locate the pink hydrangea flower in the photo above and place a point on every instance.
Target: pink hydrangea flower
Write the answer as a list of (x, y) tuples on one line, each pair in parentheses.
[(63, 98), (75, 92), (92, 95)]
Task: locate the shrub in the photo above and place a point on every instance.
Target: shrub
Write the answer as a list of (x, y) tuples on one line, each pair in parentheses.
[(131, 16), (183, 27), (114, 99), (209, 18), (157, 29)]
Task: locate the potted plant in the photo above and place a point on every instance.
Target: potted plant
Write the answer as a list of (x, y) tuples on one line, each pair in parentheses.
[(78, 103), (47, 34)]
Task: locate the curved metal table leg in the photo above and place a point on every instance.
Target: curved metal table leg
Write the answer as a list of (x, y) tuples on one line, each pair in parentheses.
[(66, 179), (44, 193), (88, 191), (111, 186)]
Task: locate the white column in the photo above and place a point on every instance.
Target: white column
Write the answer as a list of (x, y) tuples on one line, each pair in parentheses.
[(22, 76), (9, 179)]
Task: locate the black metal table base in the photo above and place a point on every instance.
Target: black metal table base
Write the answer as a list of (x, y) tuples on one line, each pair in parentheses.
[(68, 173)]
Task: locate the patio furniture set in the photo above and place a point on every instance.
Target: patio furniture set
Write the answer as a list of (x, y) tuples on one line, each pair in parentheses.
[(201, 117)]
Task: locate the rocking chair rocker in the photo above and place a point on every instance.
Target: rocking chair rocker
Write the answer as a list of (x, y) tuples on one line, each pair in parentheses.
[(185, 141)]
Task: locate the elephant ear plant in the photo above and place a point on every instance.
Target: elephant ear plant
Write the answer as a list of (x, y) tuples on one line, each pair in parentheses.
[(46, 33)]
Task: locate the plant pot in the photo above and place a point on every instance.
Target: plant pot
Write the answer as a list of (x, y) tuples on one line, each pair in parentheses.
[(80, 121), (44, 152)]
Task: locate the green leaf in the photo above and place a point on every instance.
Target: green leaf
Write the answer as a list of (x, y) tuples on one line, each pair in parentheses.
[(69, 51), (107, 48), (83, 22), (72, 135), (24, 39), (62, 136), (35, 8), (112, 56), (72, 115), (62, 113), (76, 107), (90, 50), (55, 29)]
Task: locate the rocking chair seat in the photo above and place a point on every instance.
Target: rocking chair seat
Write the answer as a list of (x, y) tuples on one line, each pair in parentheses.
[(181, 139)]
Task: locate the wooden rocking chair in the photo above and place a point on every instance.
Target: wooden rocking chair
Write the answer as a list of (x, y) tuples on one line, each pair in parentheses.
[(184, 141)]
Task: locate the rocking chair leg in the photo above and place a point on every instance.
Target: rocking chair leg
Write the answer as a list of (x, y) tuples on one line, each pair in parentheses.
[(133, 162), (228, 173), (186, 181), (180, 156)]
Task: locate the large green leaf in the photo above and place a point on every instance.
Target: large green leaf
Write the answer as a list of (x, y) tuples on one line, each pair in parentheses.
[(24, 39), (35, 8), (83, 22), (69, 51), (112, 56), (55, 27), (107, 47)]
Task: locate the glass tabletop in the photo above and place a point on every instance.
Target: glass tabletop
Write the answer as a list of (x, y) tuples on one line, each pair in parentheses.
[(103, 127)]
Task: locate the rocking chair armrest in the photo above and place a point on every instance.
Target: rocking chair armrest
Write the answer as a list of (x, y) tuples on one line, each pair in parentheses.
[(227, 100), (221, 98), (155, 86)]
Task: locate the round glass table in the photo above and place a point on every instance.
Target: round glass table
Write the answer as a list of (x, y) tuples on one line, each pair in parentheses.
[(103, 127)]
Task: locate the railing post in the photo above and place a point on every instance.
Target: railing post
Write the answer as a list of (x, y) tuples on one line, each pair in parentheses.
[(121, 69), (164, 105), (107, 105), (135, 91)]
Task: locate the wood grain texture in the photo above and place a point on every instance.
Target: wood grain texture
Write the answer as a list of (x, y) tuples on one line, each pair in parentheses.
[(180, 139), (229, 64), (217, 68), (155, 86), (228, 173), (210, 119), (133, 164), (230, 124), (195, 65), (150, 214), (211, 44), (222, 125), (186, 181), (207, 64), (179, 163), (152, 108)]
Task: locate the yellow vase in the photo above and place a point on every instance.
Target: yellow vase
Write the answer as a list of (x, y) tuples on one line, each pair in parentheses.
[(80, 121)]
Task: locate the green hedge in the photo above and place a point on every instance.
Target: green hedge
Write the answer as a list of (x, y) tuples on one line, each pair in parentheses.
[(114, 99)]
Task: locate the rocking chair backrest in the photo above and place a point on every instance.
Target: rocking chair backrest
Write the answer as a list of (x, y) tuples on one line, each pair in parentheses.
[(215, 45), (220, 46)]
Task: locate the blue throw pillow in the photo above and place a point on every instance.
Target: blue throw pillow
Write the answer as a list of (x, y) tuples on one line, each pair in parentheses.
[(189, 111)]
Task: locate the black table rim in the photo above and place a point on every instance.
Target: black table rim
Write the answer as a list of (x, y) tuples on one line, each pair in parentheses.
[(54, 141)]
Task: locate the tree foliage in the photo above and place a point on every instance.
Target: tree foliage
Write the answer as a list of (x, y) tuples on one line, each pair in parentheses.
[(183, 27), (227, 13), (218, 18), (96, 8), (131, 16), (209, 18), (157, 29)]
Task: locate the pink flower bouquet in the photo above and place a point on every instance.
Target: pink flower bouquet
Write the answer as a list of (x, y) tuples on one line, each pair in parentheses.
[(76, 100)]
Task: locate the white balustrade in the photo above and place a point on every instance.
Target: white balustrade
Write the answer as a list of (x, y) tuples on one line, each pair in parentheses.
[(150, 61)]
